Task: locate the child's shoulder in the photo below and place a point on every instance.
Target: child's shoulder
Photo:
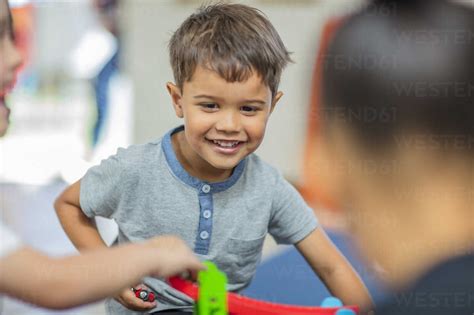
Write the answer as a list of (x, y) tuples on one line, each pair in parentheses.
[(261, 170), (137, 154)]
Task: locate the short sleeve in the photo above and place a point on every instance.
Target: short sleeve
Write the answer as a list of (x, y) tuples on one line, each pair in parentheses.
[(9, 242), (292, 219), (102, 187)]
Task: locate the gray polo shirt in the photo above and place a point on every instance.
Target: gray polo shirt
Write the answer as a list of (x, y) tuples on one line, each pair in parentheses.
[(147, 192)]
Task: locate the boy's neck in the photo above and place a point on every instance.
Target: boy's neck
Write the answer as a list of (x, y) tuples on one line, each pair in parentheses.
[(413, 255), (194, 164), (409, 238)]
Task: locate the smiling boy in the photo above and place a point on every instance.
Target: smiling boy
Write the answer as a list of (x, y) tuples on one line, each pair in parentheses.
[(202, 181)]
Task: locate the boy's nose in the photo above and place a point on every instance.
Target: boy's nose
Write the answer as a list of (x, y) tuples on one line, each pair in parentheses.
[(229, 122)]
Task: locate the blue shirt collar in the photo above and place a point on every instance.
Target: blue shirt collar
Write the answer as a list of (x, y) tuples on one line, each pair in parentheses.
[(185, 177)]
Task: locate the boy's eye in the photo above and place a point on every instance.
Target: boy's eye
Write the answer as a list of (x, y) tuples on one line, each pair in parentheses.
[(248, 109), (209, 106)]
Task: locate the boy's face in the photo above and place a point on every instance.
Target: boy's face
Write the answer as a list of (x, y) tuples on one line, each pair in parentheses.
[(10, 60), (224, 121)]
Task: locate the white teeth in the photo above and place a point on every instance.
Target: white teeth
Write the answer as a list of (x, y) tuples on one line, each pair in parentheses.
[(226, 144)]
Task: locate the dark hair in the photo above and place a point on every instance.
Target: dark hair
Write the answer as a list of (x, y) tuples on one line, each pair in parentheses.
[(230, 39), (407, 70)]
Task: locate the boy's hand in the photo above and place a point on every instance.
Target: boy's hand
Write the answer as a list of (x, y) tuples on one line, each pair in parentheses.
[(175, 257), (128, 299), (171, 256)]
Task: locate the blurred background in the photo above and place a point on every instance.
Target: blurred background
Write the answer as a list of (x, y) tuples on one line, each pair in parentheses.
[(94, 80)]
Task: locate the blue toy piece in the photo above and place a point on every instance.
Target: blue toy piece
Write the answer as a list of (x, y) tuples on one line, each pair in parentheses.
[(331, 302), (345, 311)]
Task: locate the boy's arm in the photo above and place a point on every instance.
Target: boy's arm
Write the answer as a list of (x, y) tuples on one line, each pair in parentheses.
[(80, 229), (84, 235), (72, 281), (334, 270)]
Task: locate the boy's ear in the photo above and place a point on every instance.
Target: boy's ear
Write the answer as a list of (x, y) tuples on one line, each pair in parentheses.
[(275, 100), (176, 97)]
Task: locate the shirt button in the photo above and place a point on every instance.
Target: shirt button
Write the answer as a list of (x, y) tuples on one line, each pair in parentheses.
[(206, 188), (204, 235), (206, 214)]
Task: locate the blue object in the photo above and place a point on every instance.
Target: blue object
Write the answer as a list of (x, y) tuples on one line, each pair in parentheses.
[(101, 87), (288, 269), (345, 311), (331, 302)]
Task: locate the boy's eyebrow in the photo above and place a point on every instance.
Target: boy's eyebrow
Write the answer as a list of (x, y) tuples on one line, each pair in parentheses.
[(217, 98)]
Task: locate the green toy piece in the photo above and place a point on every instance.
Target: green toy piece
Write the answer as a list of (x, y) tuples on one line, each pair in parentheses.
[(212, 296)]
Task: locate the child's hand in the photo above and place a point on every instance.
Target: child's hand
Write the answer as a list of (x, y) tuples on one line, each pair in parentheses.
[(128, 299), (175, 257)]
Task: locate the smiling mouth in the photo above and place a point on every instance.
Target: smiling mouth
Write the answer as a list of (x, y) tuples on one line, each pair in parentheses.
[(226, 144)]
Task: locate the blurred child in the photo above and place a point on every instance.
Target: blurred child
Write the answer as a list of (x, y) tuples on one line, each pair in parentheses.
[(398, 92), (202, 180), (66, 282)]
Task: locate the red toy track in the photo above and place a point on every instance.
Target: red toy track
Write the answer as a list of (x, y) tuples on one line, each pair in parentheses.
[(240, 305)]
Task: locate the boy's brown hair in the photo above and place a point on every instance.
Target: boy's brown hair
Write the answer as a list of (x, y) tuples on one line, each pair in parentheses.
[(231, 39)]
